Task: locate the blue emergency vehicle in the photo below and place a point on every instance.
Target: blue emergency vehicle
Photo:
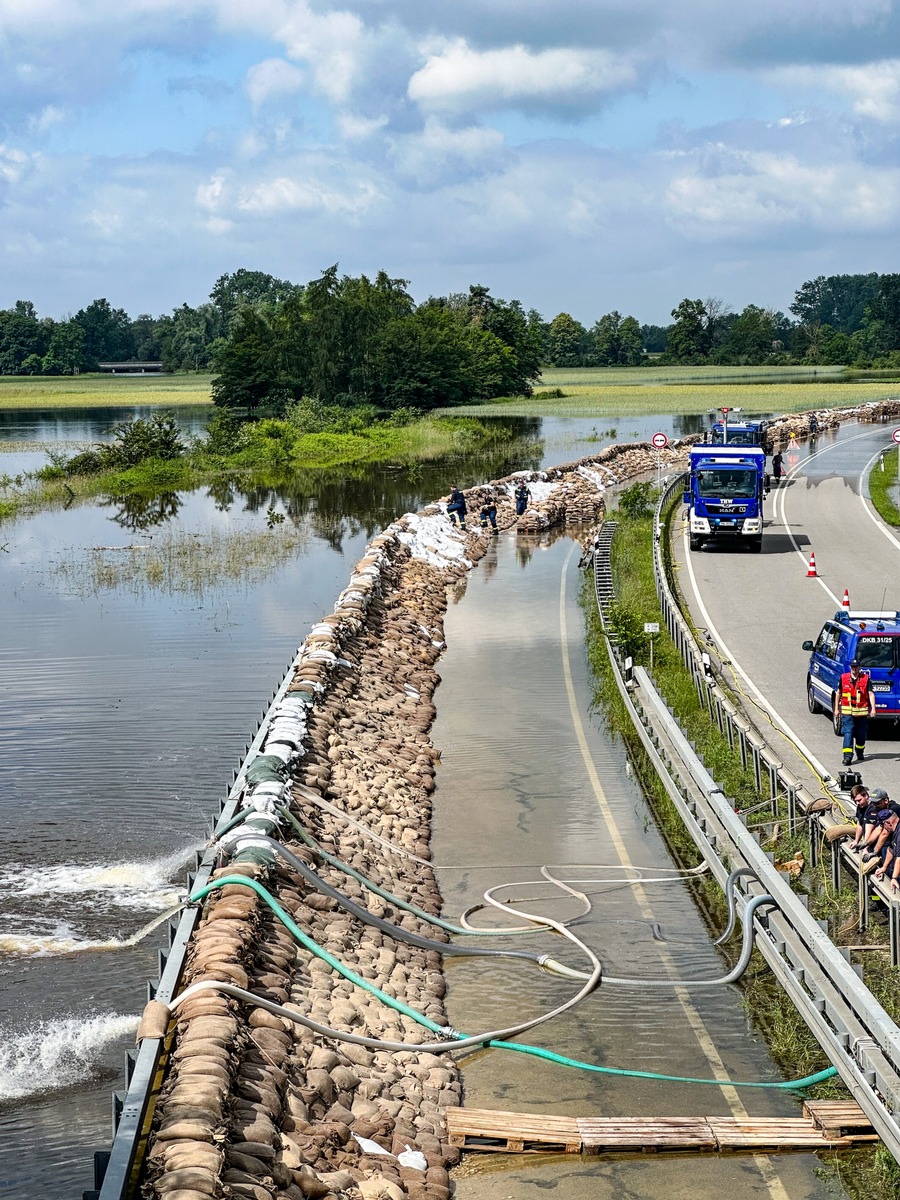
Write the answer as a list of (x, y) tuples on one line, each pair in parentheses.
[(725, 493), (741, 433), (871, 637)]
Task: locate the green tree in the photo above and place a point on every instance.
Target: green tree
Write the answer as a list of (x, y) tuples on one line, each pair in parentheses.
[(839, 301), (107, 334), (566, 341), (617, 341), (688, 339), (882, 322), (65, 352), (22, 336), (244, 288)]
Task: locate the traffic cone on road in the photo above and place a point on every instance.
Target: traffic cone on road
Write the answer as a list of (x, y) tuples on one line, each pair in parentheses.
[(811, 572), (845, 603)]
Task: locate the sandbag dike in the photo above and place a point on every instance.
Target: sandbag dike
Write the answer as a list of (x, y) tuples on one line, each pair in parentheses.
[(252, 1104)]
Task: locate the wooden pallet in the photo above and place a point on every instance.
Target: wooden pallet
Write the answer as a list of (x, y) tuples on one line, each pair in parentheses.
[(839, 1117), (824, 1125)]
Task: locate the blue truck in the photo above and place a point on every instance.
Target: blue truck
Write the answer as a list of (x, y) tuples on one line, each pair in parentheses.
[(725, 492), (741, 433)]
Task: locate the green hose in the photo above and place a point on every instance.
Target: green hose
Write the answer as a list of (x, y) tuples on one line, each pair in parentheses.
[(518, 1047)]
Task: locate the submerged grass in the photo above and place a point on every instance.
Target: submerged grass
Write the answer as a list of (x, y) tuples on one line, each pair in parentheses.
[(174, 562), (103, 391), (623, 391)]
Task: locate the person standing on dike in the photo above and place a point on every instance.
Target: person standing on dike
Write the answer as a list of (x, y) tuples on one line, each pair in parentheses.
[(456, 507), (523, 495)]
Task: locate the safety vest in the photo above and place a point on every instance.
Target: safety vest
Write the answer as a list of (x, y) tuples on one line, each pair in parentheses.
[(855, 696)]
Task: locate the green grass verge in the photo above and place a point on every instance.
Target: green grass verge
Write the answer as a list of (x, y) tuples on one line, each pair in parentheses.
[(883, 488), (103, 391)]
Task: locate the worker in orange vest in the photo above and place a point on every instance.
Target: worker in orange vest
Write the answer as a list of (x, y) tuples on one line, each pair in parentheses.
[(854, 704)]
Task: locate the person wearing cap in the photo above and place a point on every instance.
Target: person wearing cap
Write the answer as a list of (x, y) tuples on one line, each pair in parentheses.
[(854, 704), (891, 852)]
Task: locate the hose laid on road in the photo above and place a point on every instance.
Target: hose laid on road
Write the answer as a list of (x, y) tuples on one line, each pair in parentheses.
[(459, 1042), (456, 1043)]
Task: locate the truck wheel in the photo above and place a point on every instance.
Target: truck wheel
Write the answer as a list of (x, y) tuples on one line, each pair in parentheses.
[(811, 702), (836, 721), (695, 542)]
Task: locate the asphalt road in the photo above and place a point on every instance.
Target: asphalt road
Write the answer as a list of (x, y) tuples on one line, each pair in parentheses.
[(758, 609)]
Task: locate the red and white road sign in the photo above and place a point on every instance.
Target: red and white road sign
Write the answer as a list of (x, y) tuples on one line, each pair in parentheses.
[(659, 441), (895, 435)]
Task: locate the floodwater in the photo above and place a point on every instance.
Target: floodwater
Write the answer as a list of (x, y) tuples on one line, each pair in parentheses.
[(128, 700)]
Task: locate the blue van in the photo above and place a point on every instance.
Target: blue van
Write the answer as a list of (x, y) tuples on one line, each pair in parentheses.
[(873, 638)]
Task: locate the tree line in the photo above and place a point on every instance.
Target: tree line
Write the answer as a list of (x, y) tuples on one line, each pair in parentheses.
[(344, 341)]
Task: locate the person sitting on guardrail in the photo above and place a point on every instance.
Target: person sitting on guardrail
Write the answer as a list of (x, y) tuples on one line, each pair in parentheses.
[(859, 794), (879, 833), (891, 852)]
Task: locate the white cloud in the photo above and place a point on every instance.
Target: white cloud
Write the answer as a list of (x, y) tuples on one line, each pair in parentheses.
[(274, 77), (751, 194), (458, 78), (439, 154), (873, 88)]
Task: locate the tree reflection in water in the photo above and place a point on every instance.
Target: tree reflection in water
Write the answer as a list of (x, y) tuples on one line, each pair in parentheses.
[(136, 512)]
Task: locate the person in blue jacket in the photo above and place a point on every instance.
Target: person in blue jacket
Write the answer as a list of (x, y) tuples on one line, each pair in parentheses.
[(456, 507), (523, 495)]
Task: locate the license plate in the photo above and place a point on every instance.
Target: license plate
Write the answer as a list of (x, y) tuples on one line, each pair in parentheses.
[(726, 521), (880, 687)]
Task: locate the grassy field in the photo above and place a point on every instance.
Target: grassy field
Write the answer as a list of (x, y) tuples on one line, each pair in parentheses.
[(637, 390), (103, 391), (589, 392)]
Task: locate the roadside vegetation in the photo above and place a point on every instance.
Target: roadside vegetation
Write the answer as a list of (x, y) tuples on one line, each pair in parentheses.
[(883, 488)]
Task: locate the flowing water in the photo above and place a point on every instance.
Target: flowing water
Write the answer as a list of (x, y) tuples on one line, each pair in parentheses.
[(133, 679)]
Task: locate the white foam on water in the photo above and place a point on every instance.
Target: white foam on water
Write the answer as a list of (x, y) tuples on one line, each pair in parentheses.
[(143, 885), (63, 940), (53, 1055)]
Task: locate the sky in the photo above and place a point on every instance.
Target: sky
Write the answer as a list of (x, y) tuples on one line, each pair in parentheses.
[(578, 155)]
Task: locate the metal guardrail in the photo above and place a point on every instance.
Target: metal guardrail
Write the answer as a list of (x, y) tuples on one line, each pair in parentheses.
[(115, 1170), (772, 776), (852, 1028)]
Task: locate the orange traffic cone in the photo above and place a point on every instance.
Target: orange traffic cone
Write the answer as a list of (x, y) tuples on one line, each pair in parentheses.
[(845, 603), (811, 572)]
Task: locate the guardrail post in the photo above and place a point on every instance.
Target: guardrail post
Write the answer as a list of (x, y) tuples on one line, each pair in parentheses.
[(863, 902), (894, 922)]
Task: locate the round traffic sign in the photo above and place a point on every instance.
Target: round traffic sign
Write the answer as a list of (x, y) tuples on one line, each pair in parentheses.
[(659, 440), (895, 435)]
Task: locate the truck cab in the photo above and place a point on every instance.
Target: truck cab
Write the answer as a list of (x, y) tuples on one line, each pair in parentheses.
[(726, 488), (741, 433), (871, 636)]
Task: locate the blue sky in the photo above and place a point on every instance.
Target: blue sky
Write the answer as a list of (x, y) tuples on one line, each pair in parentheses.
[(582, 155)]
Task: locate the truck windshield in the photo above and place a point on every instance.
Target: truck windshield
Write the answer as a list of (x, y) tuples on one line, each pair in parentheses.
[(737, 437), (737, 482)]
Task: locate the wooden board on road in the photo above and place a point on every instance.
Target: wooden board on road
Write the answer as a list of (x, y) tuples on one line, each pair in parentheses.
[(825, 1124)]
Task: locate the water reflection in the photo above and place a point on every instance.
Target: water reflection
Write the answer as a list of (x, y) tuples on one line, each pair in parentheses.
[(136, 512)]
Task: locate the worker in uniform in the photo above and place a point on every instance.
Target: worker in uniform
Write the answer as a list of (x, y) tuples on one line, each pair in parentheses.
[(854, 704)]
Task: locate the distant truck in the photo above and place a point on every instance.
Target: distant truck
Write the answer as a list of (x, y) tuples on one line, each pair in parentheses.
[(725, 493), (741, 433)]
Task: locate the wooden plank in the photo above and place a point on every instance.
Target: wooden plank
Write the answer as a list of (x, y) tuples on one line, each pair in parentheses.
[(523, 1133)]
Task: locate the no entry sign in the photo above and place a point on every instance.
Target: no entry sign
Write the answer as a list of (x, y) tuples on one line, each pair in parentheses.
[(660, 441)]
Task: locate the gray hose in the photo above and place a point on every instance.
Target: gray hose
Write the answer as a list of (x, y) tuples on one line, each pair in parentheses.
[(395, 931), (732, 907)]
